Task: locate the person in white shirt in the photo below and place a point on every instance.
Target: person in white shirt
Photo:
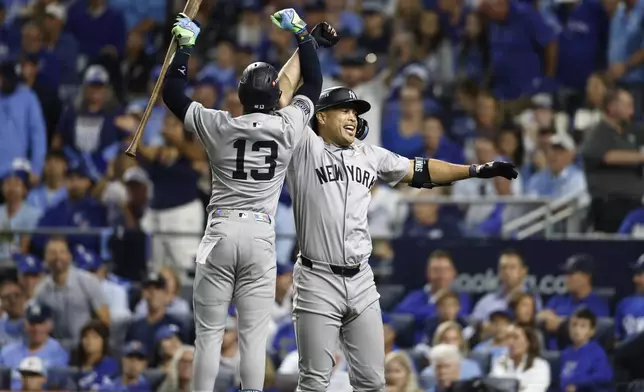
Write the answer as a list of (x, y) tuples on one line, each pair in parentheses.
[(522, 362)]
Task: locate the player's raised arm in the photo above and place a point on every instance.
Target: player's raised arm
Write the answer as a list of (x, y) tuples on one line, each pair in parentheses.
[(185, 31), (310, 70), (428, 173)]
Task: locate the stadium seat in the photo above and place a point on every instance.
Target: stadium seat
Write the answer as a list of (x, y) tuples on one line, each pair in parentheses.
[(62, 377), (605, 333), (390, 296), (155, 377), (404, 324), (483, 359), (489, 384), (5, 378), (554, 360)]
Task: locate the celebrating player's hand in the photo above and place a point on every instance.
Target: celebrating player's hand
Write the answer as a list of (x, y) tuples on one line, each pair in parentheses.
[(185, 30), (495, 169), (287, 19), (325, 35)]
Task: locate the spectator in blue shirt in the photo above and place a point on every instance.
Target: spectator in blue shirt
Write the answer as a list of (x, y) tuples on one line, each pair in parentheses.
[(512, 279), (626, 49), (52, 189), (63, 46), (523, 52), (23, 135), (15, 213), (49, 64), (92, 357), (37, 344), (561, 178), (579, 274), (430, 220), (283, 342), (99, 29), (440, 274), (402, 127), (448, 308), (30, 273), (629, 314), (12, 321), (141, 16), (79, 210), (376, 35), (144, 329), (133, 362), (153, 136), (87, 132), (497, 345), (584, 366), (633, 224), (437, 145)]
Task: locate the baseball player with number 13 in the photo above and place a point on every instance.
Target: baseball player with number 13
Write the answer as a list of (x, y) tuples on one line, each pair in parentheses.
[(248, 157), (329, 179)]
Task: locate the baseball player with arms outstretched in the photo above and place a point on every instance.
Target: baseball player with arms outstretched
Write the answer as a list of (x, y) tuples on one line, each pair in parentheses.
[(330, 179), (248, 159)]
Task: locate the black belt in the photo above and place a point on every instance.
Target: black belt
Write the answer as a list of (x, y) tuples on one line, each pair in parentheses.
[(336, 269)]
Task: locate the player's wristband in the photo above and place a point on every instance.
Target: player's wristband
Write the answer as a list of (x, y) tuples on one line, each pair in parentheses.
[(421, 177), (179, 66), (473, 172)]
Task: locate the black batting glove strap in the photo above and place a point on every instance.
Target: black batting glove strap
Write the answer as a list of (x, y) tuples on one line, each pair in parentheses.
[(494, 169)]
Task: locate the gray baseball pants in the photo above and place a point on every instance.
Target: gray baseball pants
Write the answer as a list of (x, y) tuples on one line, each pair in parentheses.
[(235, 262), (329, 308)]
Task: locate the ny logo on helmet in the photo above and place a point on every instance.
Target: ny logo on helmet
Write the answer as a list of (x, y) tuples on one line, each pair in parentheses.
[(352, 95)]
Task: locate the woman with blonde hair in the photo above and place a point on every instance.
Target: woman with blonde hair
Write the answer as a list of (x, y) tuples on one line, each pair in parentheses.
[(450, 332), (399, 373), (179, 374)]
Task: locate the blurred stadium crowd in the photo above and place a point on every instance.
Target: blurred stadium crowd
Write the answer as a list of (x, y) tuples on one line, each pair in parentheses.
[(555, 86)]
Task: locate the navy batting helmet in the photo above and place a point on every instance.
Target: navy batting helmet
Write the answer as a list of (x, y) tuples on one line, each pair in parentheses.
[(344, 97), (258, 89)]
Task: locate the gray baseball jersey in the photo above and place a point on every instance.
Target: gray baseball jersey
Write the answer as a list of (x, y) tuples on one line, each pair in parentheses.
[(331, 192), (249, 154)]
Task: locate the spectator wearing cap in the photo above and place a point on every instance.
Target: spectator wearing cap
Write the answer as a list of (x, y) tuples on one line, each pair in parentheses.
[(141, 16), (626, 49), (156, 296), (87, 132), (175, 205), (376, 34), (497, 345), (30, 71), (126, 197), (79, 210), (32, 45), (542, 116), (167, 345), (133, 363), (25, 136), (98, 28), (403, 128), (52, 190), (75, 296), (613, 163), (92, 356), (440, 274), (633, 224), (629, 313), (37, 343), (177, 305), (115, 294), (523, 52), (512, 274), (582, 31), (15, 214), (32, 374), (561, 179), (30, 273), (579, 273), (63, 46), (12, 321), (436, 144)]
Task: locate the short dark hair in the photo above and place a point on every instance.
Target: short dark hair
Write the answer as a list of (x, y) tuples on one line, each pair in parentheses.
[(447, 295), (513, 252), (440, 254), (585, 313)]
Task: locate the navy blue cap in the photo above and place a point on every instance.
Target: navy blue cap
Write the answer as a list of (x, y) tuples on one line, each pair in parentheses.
[(284, 268), (154, 279), (38, 313), (77, 169), (579, 263), (86, 259), (638, 266), (28, 264), (502, 313), (135, 349), (166, 332)]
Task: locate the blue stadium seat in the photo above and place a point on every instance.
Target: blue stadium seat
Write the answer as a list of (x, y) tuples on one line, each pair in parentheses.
[(62, 377), (155, 377), (483, 359), (554, 360), (390, 296), (5, 378), (404, 324)]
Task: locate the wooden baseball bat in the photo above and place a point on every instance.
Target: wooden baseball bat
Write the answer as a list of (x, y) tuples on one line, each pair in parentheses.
[(191, 9)]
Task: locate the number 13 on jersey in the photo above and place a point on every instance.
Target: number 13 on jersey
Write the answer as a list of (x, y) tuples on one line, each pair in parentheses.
[(263, 173)]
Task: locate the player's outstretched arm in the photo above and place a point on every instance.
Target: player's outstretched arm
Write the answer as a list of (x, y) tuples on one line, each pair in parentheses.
[(290, 77), (429, 173), (185, 31)]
